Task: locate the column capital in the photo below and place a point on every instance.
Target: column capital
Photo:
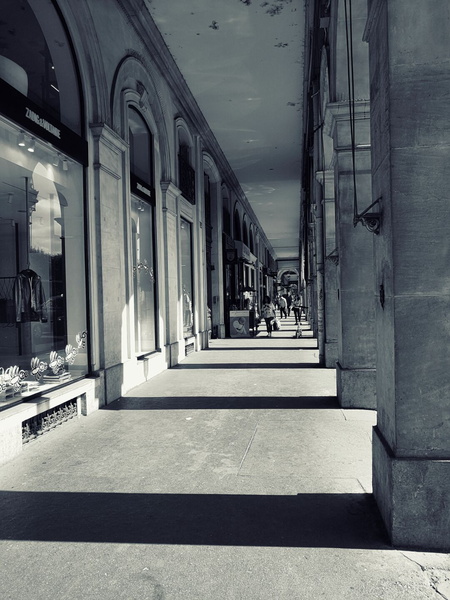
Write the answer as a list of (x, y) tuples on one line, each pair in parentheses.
[(339, 112)]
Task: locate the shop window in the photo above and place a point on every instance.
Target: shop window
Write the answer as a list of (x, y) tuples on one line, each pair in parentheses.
[(36, 59), (143, 234), (186, 277), (143, 276), (245, 234), (42, 272), (186, 174), (141, 148), (237, 227)]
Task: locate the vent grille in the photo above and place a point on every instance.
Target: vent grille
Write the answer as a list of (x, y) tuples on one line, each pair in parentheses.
[(44, 422)]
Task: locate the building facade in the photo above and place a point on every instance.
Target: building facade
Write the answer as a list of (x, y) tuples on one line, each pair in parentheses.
[(375, 237), (126, 239)]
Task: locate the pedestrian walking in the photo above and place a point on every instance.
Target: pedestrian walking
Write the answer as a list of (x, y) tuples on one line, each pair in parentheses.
[(283, 306), (268, 314), (288, 303), (296, 307)]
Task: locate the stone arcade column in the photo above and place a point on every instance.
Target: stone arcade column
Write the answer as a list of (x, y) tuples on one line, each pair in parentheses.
[(410, 83), (331, 260), (108, 243), (170, 194), (355, 367)]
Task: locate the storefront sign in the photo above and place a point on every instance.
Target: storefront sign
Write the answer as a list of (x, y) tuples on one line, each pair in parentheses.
[(244, 253), (33, 116), (142, 189), (34, 119)]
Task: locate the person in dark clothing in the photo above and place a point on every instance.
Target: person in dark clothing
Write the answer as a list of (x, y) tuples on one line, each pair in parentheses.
[(296, 307), (288, 303), (268, 314), (283, 307)]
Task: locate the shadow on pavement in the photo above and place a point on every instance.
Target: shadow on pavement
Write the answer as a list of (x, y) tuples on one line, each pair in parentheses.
[(304, 520), (267, 348), (223, 402), (246, 365)]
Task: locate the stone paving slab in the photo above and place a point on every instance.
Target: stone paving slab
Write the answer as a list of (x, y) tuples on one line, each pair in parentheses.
[(224, 478)]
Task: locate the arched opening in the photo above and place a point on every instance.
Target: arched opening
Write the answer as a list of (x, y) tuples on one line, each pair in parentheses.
[(43, 318), (142, 232)]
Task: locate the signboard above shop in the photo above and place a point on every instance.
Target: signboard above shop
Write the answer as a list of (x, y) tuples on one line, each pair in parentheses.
[(243, 253)]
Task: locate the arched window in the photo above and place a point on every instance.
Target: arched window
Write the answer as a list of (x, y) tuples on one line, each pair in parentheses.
[(42, 236), (142, 232), (186, 174), (41, 66), (237, 227), (245, 234), (141, 148), (226, 214)]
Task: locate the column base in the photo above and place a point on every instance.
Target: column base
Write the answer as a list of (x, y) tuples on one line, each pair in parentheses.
[(356, 388), (413, 498), (331, 354)]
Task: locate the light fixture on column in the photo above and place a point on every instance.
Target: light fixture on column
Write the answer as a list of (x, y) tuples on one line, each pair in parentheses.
[(31, 145), (21, 139), (65, 165)]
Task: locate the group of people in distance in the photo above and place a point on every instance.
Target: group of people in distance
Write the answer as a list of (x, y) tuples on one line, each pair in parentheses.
[(285, 303)]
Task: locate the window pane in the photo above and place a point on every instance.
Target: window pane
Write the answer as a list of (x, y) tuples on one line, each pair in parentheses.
[(36, 59), (143, 276), (186, 276), (42, 271)]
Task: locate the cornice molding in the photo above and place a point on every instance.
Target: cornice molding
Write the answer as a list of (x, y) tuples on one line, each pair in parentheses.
[(340, 111)]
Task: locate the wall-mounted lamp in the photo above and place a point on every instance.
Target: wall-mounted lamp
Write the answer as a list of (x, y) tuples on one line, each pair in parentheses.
[(21, 139), (370, 219), (31, 145), (10, 197), (65, 165), (55, 161), (141, 206)]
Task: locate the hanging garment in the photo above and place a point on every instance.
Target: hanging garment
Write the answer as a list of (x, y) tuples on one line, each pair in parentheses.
[(29, 297)]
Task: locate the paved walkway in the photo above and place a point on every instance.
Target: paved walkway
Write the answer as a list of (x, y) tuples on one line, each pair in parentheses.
[(234, 476)]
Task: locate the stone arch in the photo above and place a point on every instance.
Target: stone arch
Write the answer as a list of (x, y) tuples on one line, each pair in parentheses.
[(94, 83), (285, 278), (133, 84), (210, 167), (183, 133)]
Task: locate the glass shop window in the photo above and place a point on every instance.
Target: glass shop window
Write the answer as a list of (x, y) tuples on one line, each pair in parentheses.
[(143, 234), (42, 270), (186, 277), (36, 59)]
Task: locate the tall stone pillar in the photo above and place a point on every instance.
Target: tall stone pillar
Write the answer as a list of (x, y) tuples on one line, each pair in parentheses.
[(172, 309), (410, 86), (110, 326), (356, 353), (331, 260)]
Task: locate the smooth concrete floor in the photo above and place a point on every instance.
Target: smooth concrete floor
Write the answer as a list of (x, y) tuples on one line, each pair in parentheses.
[(235, 475)]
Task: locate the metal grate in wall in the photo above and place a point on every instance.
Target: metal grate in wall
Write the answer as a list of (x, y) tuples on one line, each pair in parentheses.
[(48, 420)]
